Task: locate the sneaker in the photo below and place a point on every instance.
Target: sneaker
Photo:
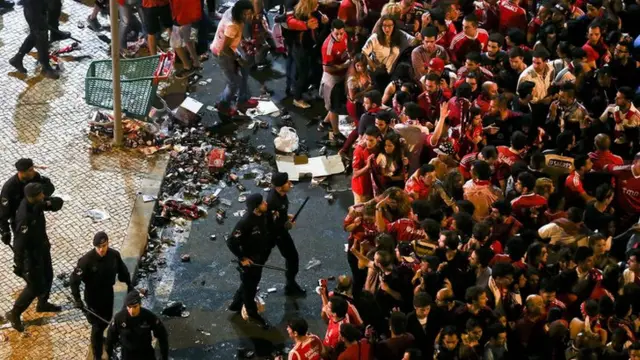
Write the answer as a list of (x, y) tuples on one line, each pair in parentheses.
[(16, 62), (57, 35), (48, 307), (94, 24), (301, 104), (50, 73), (226, 110), (249, 104), (15, 321)]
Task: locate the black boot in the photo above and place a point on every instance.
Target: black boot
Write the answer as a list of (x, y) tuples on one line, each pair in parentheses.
[(57, 35), (236, 306), (48, 307), (293, 289), (16, 62), (15, 321), (50, 73)]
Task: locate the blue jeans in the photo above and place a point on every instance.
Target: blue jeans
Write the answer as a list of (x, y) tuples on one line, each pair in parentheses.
[(290, 70), (237, 78)]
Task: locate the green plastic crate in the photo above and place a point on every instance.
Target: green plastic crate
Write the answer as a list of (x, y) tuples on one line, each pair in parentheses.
[(137, 84)]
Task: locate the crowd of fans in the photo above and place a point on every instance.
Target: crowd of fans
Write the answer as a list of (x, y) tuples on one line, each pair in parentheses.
[(496, 176)]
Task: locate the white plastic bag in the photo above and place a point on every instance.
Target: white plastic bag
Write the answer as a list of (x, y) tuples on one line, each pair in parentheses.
[(287, 140)]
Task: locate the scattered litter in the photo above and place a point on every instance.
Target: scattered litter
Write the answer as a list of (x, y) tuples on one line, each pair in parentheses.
[(149, 198), (239, 213), (287, 140), (209, 80), (261, 147), (97, 215), (225, 202), (185, 314), (206, 333), (212, 237), (185, 258), (330, 198), (202, 83), (211, 108), (271, 290), (242, 198), (174, 309), (313, 263)]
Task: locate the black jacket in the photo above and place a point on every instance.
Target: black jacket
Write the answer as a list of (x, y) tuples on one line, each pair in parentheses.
[(250, 238), (135, 334), (13, 193), (99, 275)]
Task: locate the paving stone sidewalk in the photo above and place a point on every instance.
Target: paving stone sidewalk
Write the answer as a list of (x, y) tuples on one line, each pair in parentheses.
[(46, 120)]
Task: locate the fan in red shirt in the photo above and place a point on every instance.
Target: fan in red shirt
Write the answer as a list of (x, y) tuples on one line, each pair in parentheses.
[(507, 156), (337, 310), (573, 188), (488, 154), (433, 96), (419, 184), (355, 348), (628, 186), (602, 156), (512, 16), (470, 39), (362, 155), (445, 32), (488, 14), (307, 346), (528, 207)]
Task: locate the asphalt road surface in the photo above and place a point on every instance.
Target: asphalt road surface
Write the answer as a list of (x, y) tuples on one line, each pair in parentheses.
[(207, 283)]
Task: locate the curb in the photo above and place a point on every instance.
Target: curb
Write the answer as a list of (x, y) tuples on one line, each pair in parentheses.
[(136, 239)]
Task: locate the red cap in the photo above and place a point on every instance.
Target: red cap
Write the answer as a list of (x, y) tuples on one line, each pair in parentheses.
[(436, 64)]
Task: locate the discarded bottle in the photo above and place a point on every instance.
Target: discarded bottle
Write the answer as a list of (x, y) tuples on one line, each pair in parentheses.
[(313, 263)]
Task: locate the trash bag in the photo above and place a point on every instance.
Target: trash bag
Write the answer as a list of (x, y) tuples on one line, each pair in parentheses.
[(287, 140)]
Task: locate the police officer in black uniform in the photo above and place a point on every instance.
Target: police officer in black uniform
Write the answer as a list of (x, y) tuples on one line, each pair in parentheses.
[(249, 241), (13, 193), (98, 269), (279, 223), (32, 253), (133, 327), (39, 14)]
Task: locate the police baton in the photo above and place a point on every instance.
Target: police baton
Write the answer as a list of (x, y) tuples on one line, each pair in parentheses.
[(84, 308), (299, 210), (262, 266)]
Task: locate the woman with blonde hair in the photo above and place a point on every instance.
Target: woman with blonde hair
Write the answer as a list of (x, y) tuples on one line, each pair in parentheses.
[(544, 187)]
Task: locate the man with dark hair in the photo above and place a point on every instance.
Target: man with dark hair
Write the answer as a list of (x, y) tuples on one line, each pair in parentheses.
[(13, 192), (32, 253), (361, 177), (488, 154), (479, 265), (450, 344), (628, 191), (509, 156), (433, 96), (473, 64), (567, 230), (418, 186), (424, 323), (623, 67), (512, 16), (529, 207), (476, 299), (567, 113), (421, 55), (472, 38), (595, 43), (372, 100), (496, 347), (541, 74), (480, 191), (508, 78), (494, 58), (231, 59), (505, 225), (307, 346), (625, 116), (574, 190), (335, 63), (337, 311), (400, 340), (523, 102), (356, 347)]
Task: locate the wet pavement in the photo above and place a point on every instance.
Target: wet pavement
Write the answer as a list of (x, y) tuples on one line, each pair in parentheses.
[(206, 284)]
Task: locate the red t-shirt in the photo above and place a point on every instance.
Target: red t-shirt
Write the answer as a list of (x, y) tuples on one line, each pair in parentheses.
[(602, 158), (347, 12), (465, 164), (361, 185), (573, 186), (628, 188), (506, 159), (154, 3), (512, 16), (461, 44), (526, 202), (405, 230), (332, 337), (335, 53), (444, 38), (310, 349), (416, 186), (361, 351)]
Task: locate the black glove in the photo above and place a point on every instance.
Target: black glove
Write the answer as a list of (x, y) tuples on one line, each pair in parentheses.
[(6, 237), (17, 271), (78, 304)]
